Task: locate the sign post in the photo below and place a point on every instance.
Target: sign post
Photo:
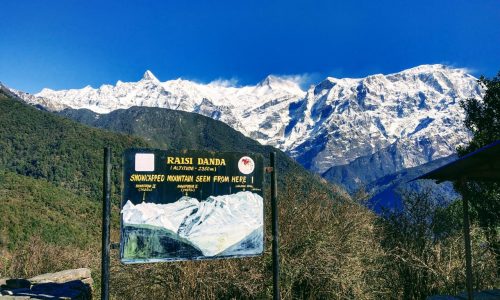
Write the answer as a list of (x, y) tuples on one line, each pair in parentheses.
[(468, 251), (190, 205), (274, 211), (106, 209)]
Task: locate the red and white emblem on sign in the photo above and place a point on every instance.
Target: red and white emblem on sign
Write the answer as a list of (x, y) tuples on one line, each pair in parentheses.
[(246, 165)]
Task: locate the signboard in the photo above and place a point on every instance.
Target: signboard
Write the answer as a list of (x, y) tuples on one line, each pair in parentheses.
[(185, 205)]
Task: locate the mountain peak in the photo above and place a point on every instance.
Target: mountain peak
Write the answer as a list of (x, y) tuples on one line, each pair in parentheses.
[(270, 80), (280, 83), (429, 68), (148, 75)]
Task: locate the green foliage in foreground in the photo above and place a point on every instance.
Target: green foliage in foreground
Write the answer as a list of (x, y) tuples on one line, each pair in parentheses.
[(482, 116)]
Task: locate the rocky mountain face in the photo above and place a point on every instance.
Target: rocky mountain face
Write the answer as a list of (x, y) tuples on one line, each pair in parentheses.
[(388, 122)]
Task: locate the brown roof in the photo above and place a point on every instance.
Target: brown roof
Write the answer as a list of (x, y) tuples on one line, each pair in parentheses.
[(480, 165)]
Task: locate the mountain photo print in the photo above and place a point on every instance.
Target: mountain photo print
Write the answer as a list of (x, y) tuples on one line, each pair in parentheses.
[(163, 220)]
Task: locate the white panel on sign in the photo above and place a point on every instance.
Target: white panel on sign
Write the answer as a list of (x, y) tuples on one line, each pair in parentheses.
[(144, 162)]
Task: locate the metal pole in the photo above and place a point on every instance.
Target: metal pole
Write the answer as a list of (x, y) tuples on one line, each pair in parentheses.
[(274, 210), (106, 209), (468, 251)]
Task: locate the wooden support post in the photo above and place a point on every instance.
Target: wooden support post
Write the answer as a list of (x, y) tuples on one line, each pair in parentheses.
[(274, 211), (468, 251), (106, 211)]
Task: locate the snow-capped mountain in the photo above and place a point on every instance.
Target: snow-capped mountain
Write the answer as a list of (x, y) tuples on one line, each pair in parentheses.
[(418, 109), (244, 108), (331, 124), (213, 226)]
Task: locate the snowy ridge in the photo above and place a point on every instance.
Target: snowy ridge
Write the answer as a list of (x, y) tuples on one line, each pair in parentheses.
[(240, 107), (330, 124), (212, 226), (418, 110)]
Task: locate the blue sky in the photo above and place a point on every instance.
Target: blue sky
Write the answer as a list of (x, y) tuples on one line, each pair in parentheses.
[(69, 44)]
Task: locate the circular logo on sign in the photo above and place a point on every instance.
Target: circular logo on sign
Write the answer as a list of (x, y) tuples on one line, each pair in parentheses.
[(246, 165)]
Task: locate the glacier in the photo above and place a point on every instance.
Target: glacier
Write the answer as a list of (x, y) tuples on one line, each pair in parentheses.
[(219, 225)]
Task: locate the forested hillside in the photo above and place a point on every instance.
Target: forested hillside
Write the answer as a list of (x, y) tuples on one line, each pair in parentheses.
[(41, 145)]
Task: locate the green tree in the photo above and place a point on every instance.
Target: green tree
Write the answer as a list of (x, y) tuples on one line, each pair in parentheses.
[(482, 118)]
